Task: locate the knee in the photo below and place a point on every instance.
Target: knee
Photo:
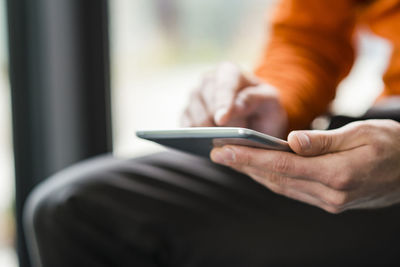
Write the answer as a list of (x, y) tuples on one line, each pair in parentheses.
[(47, 205), (53, 203), (47, 209)]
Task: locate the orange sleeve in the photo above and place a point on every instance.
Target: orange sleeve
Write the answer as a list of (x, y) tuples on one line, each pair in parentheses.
[(391, 78), (383, 18), (309, 51)]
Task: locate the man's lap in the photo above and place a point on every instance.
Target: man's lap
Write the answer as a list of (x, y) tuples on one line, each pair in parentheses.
[(174, 209)]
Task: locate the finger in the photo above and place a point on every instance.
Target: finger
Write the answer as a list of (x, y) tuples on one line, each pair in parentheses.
[(284, 163), (198, 113), (185, 121), (207, 91), (237, 122), (244, 106), (311, 143), (228, 81), (253, 101), (262, 110), (252, 97), (330, 170), (296, 195), (341, 171), (336, 199)]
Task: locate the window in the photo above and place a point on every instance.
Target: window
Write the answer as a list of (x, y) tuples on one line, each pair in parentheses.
[(7, 255), (160, 48)]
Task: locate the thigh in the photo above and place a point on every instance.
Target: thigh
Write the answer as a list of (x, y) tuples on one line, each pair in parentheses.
[(183, 210)]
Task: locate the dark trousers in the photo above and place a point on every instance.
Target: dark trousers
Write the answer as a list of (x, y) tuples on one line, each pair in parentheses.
[(174, 209)]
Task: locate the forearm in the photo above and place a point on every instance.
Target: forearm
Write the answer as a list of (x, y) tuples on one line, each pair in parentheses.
[(307, 56)]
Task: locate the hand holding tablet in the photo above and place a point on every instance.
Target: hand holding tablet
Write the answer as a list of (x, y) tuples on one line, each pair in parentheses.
[(201, 140)]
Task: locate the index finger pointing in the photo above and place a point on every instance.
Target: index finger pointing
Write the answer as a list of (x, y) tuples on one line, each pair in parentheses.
[(229, 81)]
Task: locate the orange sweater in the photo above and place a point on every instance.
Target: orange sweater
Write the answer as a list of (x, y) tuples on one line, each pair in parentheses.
[(311, 50)]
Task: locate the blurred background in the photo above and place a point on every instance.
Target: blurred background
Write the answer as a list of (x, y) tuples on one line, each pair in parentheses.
[(161, 48), (151, 53)]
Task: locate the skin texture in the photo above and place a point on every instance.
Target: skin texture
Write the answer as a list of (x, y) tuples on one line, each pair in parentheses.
[(226, 97), (353, 167)]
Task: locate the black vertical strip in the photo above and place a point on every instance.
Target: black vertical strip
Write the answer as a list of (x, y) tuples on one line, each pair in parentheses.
[(60, 88)]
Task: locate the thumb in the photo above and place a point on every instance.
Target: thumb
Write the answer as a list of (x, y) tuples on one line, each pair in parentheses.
[(312, 143), (316, 142)]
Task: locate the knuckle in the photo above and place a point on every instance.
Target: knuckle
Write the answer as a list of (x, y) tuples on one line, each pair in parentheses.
[(388, 129), (333, 210), (340, 182), (228, 75), (365, 128), (337, 199), (326, 143), (377, 150), (342, 178), (268, 91), (282, 165), (242, 158)]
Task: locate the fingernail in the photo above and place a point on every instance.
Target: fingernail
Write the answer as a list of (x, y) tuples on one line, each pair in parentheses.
[(304, 141), (219, 114), (223, 155)]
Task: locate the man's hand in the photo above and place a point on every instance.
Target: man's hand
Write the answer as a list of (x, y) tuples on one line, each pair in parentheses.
[(227, 98), (356, 166)]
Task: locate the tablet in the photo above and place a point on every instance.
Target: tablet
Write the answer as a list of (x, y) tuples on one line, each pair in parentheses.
[(200, 140)]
